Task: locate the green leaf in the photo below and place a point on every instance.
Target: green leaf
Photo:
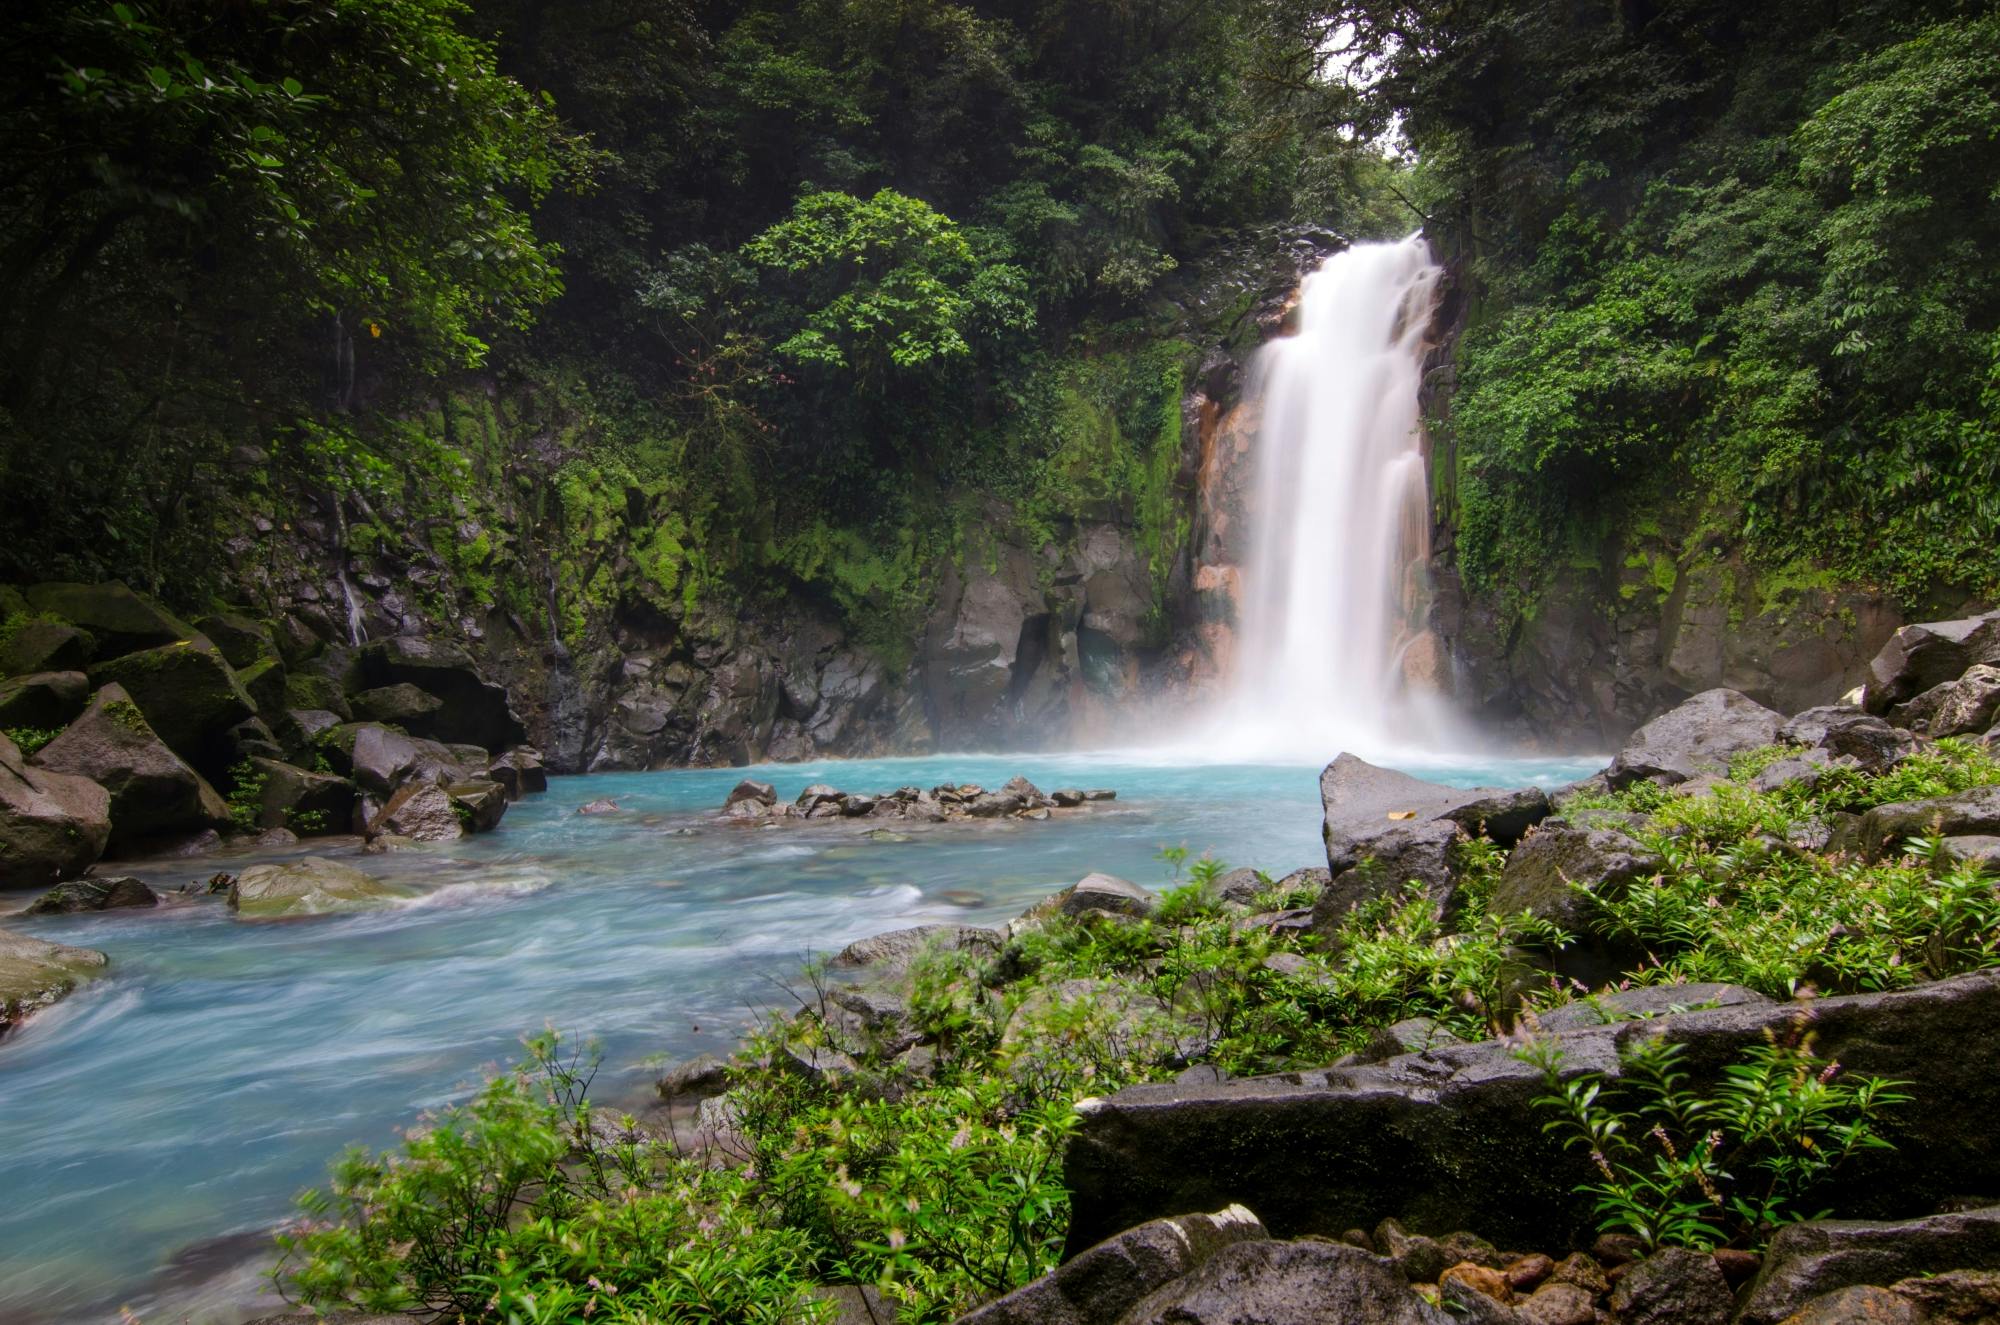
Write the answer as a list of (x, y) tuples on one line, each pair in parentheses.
[(292, 87), (159, 77)]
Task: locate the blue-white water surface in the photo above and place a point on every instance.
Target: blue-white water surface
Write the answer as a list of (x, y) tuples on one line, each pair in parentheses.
[(157, 1124)]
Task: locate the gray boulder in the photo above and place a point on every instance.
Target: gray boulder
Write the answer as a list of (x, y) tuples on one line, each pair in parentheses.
[(1700, 736), (1417, 1035), (46, 646), (479, 804), (519, 772), (1929, 653), (1673, 1286), (1647, 1001), (35, 973), (119, 621), (43, 699), (264, 680), (80, 895), (302, 800), (892, 953), (1287, 1283), (421, 811), (401, 705), (1807, 1260), (1964, 707), (1452, 1139), (751, 792), (1543, 874), (310, 886), (1860, 1306), (1093, 893), (1843, 732), (154, 793), (1104, 1282), (1968, 813), (380, 760), (52, 825), (188, 694)]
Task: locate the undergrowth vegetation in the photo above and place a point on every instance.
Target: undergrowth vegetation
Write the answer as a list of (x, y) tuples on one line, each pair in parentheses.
[(906, 1133)]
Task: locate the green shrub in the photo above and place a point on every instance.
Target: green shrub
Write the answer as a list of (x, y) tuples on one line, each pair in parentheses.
[(1678, 1166), (30, 740)]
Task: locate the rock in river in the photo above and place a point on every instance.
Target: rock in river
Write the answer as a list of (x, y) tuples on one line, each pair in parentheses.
[(52, 825), (309, 887), (35, 973)]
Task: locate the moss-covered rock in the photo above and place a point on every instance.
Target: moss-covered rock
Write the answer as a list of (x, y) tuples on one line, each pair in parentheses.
[(153, 791), (309, 887), (80, 895), (312, 690), (265, 682), (52, 825), (35, 973), (46, 646), (189, 694), (118, 620), (402, 704), (302, 800), (242, 640)]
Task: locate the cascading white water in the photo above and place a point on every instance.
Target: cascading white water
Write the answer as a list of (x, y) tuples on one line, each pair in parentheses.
[(1333, 588)]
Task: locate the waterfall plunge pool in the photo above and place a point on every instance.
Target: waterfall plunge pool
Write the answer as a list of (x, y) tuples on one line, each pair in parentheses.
[(163, 1119)]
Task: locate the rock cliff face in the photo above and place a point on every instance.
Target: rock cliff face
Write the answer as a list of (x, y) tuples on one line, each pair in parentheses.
[(1639, 620)]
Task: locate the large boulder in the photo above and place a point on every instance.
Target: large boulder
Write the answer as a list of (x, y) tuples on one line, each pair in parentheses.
[(189, 695), (1095, 892), (1384, 829), (309, 887), (892, 953), (119, 621), (1848, 733), (154, 793), (1964, 707), (46, 646), (1700, 736), (480, 804), (1929, 653), (43, 699), (81, 895), (519, 772), (1287, 1283), (421, 811), (1807, 1260), (401, 705), (472, 710), (302, 800), (1104, 1282), (264, 680), (52, 825), (380, 760), (1452, 1139), (1974, 813), (35, 973), (1543, 875)]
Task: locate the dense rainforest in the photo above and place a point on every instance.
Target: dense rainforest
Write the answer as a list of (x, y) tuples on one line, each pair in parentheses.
[(684, 304)]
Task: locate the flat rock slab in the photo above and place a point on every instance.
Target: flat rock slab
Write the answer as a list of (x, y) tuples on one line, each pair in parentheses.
[(1806, 1261), (1451, 1138), (1361, 801)]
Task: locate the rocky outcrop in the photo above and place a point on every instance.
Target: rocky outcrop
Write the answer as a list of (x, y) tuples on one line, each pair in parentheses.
[(52, 825), (1695, 738), (469, 709), (1384, 829), (46, 646), (302, 800), (1560, 866), (1451, 1139), (35, 973), (1929, 654), (892, 953), (154, 793), (311, 886)]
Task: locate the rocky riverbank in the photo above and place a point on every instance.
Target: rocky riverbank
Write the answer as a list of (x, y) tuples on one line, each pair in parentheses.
[(127, 732)]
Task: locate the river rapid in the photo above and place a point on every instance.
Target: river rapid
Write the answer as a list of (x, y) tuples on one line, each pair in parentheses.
[(157, 1124)]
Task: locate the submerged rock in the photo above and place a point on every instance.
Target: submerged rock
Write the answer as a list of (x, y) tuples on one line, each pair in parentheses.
[(35, 973), (309, 887)]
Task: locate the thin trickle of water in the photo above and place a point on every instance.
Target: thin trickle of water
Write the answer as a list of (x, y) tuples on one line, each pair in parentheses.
[(1334, 589)]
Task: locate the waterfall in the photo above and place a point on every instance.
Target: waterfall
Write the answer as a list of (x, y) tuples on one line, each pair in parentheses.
[(1334, 590)]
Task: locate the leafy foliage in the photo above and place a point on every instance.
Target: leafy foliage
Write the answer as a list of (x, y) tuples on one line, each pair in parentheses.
[(1687, 1167)]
